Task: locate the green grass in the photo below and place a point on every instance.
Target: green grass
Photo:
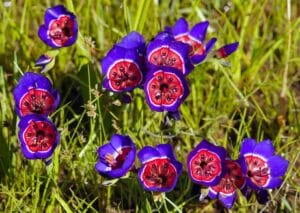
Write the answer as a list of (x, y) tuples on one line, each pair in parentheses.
[(257, 95)]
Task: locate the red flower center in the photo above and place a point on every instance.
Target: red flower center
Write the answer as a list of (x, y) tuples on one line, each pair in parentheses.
[(117, 162), (36, 101), (196, 47), (165, 56), (258, 170), (61, 30), (205, 166), (159, 173), (39, 136), (124, 74), (233, 179), (164, 88)]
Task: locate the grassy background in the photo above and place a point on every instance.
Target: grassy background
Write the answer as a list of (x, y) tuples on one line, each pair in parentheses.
[(254, 93)]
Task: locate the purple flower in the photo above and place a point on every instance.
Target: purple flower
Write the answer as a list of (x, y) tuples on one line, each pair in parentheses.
[(134, 40), (34, 94), (116, 157), (206, 163), (60, 28), (38, 136), (123, 69), (45, 62), (165, 89), (160, 169), (194, 38), (226, 189), (261, 167), (164, 50), (262, 196), (226, 50)]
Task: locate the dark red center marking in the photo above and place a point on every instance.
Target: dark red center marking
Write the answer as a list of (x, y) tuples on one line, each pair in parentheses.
[(165, 56), (117, 162), (258, 170), (39, 136), (61, 30), (196, 47), (165, 88), (221, 53), (36, 101), (205, 166), (232, 180), (159, 173), (124, 74)]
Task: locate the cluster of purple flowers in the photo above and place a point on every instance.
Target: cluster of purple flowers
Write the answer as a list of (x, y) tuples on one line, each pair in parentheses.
[(257, 169), (35, 99), (161, 66)]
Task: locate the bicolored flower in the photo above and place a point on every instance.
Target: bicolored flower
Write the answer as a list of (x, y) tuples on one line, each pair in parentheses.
[(160, 169), (226, 50), (165, 89), (117, 157), (60, 28), (226, 189), (194, 38), (165, 51), (206, 163), (34, 94), (123, 69), (38, 136), (262, 168)]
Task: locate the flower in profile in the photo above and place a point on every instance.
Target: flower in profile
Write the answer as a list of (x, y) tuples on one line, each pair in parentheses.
[(262, 168), (160, 169), (123, 69), (117, 157), (165, 51), (226, 50), (194, 38), (43, 60), (46, 61), (38, 136), (60, 28), (165, 89), (226, 189), (206, 163), (34, 94)]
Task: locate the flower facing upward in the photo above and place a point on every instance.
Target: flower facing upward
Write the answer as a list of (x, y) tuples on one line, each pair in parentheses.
[(60, 28), (165, 89), (194, 38), (165, 51), (160, 169), (261, 167), (206, 163), (34, 94), (38, 136), (122, 68), (116, 157), (226, 189)]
